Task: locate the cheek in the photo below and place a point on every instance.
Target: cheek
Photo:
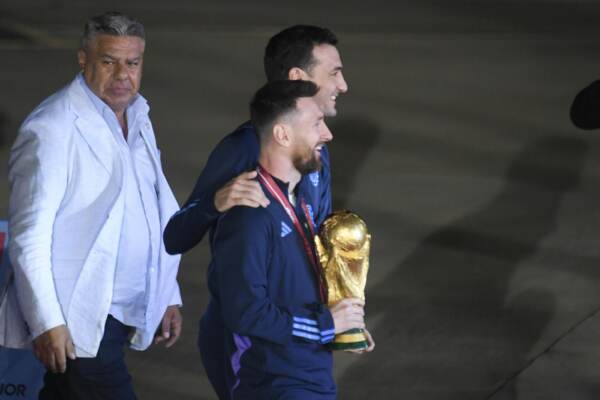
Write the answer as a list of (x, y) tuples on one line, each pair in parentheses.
[(136, 78), (328, 84)]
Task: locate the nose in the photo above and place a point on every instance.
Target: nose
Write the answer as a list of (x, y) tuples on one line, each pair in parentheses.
[(342, 86), (326, 134), (120, 71)]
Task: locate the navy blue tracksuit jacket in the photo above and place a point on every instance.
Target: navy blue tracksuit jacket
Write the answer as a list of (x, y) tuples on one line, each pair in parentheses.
[(266, 290), (236, 153)]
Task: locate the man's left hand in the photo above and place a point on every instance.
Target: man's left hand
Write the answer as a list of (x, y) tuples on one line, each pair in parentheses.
[(170, 328)]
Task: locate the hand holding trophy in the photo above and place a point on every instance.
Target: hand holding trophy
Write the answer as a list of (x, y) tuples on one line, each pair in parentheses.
[(343, 245)]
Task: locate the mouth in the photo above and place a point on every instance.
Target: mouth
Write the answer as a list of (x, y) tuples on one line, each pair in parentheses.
[(318, 149), (119, 90)]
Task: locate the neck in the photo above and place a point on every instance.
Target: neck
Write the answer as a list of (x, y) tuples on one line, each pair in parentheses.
[(122, 118), (281, 167)]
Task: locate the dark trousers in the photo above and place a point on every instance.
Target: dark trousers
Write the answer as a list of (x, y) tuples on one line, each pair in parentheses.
[(103, 377), (212, 351)]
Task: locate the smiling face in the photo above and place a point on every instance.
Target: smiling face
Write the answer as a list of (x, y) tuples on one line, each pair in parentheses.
[(310, 134), (326, 73), (112, 68)]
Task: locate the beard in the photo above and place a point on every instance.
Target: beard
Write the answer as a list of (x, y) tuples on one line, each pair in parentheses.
[(307, 162)]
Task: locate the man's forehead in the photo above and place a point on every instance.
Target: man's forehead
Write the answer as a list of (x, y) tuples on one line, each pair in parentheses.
[(107, 42)]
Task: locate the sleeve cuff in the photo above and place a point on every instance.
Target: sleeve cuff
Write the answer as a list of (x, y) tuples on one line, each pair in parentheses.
[(176, 297), (317, 328), (41, 325)]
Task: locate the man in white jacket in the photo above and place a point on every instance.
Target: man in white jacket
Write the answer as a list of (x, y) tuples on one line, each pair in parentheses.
[(88, 205)]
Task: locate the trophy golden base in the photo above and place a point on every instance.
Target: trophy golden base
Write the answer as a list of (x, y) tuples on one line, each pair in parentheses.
[(354, 339)]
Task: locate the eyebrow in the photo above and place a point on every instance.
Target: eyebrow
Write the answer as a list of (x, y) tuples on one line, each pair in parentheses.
[(114, 58)]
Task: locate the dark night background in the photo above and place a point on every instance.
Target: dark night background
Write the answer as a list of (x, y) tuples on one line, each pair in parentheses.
[(453, 143)]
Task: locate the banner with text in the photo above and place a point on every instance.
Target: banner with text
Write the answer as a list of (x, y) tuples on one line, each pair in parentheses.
[(21, 374)]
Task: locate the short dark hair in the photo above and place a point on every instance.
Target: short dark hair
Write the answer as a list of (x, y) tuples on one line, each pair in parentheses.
[(292, 47), (111, 23), (276, 99)]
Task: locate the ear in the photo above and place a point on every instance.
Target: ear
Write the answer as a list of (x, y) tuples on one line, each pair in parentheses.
[(282, 135), (81, 58), (296, 74)]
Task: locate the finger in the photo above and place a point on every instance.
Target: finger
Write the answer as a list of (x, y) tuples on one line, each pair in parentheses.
[(178, 326), (370, 341), (248, 193), (246, 202), (252, 192), (356, 351), (252, 185), (45, 359), (355, 310), (239, 182), (225, 197), (355, 301), (51, 363), (371, 347), (166, 325), (70, 349), (172, 340), (175, 332), (349, 303), (60, 359), (240, 198), (247, 175)]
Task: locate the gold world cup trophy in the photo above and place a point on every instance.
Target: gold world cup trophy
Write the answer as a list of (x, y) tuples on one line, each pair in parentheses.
[(343, 245)]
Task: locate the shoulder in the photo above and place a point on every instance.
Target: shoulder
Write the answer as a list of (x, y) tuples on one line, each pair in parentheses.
[(235, 153), (51, 121), (243, 139), (52, 115), (52, 108)]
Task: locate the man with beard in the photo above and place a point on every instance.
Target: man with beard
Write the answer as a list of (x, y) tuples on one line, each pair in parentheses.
[(264, 278), (229, 179)]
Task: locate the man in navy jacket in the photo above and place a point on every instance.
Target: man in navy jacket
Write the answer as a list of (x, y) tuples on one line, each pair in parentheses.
[(264, 278), (299, 52), (228, 179)]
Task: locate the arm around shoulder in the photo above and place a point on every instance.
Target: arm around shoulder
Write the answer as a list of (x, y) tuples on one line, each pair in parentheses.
[(234, 155)]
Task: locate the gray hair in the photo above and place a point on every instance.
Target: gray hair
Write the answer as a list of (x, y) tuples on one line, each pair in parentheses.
[(111, 23)]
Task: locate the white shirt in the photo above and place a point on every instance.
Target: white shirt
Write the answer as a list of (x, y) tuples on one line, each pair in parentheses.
[(140, 235)]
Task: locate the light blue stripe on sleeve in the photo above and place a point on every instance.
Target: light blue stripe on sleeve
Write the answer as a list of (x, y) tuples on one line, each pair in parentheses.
[(305, 321), (307, 328), (327, 339), (306, 335), (184, 209), (328, 332)]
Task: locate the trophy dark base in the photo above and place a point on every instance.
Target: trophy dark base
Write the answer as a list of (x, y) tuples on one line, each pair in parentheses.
[(354, 339)]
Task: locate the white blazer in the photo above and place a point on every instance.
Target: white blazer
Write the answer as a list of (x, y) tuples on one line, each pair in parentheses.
[(65, 216)]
